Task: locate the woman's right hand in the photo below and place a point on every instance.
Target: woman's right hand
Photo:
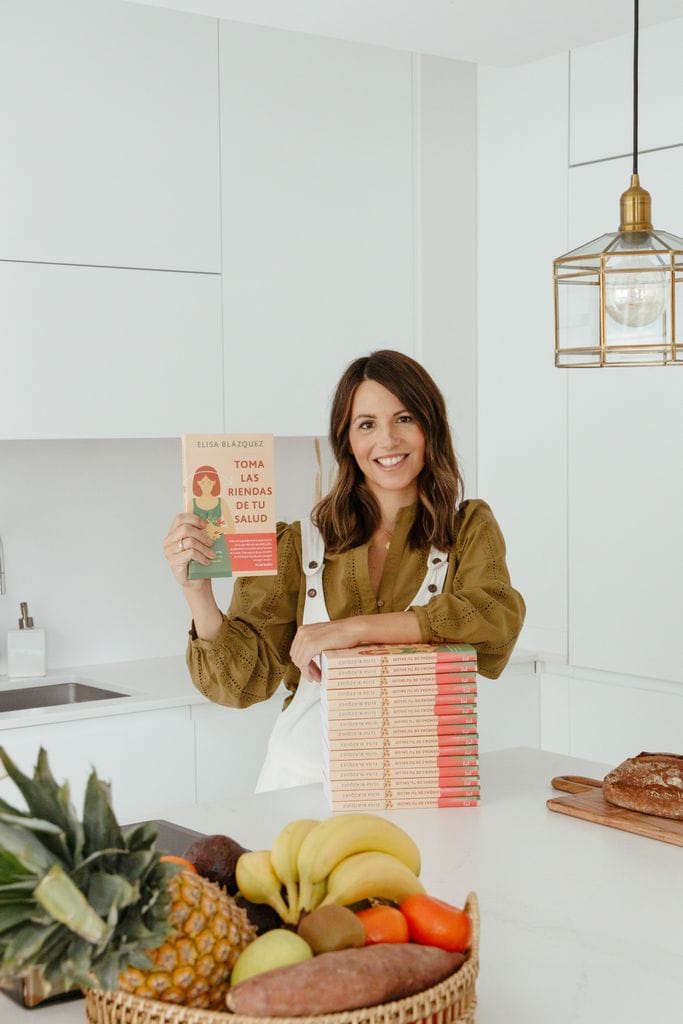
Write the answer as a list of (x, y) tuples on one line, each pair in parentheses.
[(187, 540)]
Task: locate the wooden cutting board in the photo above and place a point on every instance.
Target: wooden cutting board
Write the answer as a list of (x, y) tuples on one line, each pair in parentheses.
[(586, 801)]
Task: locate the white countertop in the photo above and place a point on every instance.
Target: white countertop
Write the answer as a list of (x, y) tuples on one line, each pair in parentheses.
[(147, 685), (581, 924)]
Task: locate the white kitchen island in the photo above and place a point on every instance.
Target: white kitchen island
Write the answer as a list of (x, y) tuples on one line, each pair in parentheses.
[(581, 924)]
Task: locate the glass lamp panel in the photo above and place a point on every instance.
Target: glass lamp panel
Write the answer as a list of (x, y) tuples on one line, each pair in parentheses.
[(635, 242), (637, 287), (578, 321), (592, 248), (669, 240), (678, 330), (642, 343)]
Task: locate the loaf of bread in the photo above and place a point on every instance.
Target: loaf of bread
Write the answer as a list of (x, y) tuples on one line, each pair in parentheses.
[(651, 783)]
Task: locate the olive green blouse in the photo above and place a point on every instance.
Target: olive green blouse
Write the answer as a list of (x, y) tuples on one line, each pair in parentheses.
[(249, 657)]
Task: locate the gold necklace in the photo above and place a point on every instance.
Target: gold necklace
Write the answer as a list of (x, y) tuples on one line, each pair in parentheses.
[(389, 535)]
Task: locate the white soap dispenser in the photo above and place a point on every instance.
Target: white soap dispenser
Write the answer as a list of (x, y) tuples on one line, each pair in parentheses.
[(25, 647)]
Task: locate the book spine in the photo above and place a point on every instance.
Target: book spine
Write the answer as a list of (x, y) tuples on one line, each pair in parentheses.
[(381, 770), (415, 728), (468, 786), (399, 654), (405, 758), (456, 745), (397, 695), (397, 793), (389, 715), (372, 804), (386, 672)]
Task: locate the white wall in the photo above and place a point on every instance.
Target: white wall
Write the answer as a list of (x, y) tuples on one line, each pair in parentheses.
[(583, 467), (315, 195), (82, 528), (522, 209)]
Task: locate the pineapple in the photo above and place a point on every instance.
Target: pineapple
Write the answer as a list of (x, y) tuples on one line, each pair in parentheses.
[(93, 905)]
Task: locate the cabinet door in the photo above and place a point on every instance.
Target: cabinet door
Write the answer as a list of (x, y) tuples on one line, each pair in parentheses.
[(317, 168), (91, 352), (148, 758), (109, 127), (231, 745)]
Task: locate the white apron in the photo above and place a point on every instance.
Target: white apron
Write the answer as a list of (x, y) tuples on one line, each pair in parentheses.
[(295, 748)]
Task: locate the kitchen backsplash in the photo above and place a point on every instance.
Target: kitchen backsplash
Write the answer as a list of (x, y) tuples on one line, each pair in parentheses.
[(82, 524)]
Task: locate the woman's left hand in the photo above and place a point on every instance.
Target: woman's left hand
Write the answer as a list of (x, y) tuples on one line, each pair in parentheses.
[(310, 640)]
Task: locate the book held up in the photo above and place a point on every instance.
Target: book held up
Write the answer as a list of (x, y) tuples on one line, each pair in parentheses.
[(229, 482)]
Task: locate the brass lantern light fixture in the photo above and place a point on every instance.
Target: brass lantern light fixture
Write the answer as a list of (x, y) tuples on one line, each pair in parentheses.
[(616, 297)]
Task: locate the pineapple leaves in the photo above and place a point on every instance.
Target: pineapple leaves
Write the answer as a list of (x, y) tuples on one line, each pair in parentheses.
[(141, 837), (41, 796), (22, 845), (101, 829), (107, 892), (61, 795), (12, 869), (80, 900), (25, 945), (64, 902), (20, 912), (35, 824)]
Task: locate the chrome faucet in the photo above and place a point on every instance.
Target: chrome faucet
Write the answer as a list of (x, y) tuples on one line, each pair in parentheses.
[(2, 569)]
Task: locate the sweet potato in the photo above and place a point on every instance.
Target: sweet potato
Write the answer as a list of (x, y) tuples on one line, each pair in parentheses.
[(345, 979)]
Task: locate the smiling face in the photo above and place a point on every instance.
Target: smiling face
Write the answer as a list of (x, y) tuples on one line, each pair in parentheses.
[(386, 441)]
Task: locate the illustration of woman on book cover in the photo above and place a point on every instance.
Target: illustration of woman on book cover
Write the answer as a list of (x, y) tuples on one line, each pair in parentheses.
[(208, 505)]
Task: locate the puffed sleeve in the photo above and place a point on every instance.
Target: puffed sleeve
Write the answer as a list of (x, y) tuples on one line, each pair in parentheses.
[(479, 606), (246, 661)]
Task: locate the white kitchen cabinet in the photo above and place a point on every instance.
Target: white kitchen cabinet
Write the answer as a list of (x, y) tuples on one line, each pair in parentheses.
[(231, 745), (601, 96), (148, 757), (109, 127), (94, 352), (318, 219)]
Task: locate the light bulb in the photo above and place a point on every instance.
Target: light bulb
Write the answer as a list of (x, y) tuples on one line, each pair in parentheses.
[(635, 299)]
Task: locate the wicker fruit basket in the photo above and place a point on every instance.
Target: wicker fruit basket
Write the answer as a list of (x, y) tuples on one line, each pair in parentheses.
[(452, 1001)]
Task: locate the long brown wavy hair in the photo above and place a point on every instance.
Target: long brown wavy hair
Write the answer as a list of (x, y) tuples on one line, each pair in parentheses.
[(349, 514)]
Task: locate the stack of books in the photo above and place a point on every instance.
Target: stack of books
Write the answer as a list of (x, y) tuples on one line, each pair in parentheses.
[(400, 726)]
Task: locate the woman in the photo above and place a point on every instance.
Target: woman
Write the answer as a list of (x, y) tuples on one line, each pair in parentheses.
[(390, 555)]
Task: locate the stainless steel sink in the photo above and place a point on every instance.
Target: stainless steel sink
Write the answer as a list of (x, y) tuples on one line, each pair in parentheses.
[(52, 695)]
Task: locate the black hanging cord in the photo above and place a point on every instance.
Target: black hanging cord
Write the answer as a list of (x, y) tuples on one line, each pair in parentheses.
[(635, 86)]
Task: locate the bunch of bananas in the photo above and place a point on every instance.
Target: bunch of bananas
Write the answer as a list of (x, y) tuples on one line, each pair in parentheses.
[(343, 859)]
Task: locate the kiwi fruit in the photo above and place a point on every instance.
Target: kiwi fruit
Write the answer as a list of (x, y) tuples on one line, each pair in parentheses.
[(331, 927)]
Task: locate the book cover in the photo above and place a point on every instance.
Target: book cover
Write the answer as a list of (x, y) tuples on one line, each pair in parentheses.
[(396, 654), (229, 481)]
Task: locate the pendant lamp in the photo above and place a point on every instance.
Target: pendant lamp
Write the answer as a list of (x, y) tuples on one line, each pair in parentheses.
[(616, 297)]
